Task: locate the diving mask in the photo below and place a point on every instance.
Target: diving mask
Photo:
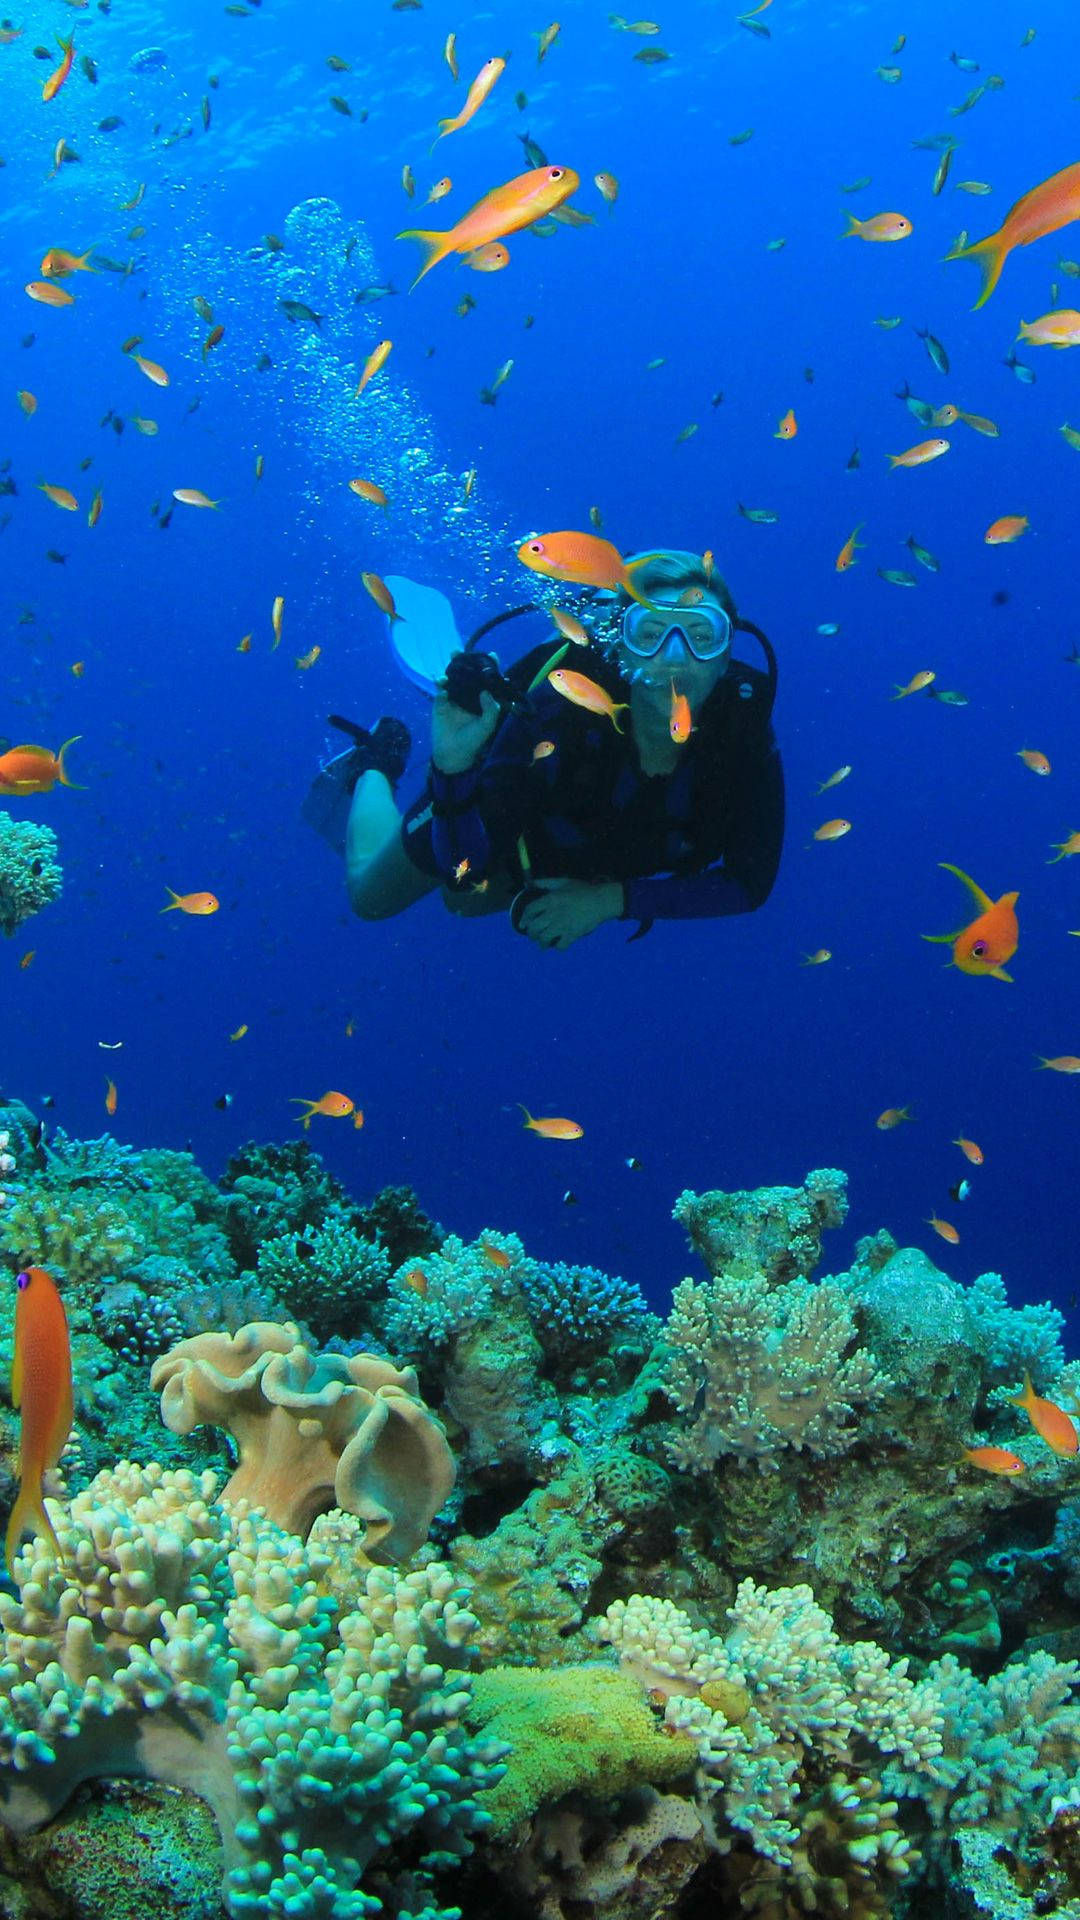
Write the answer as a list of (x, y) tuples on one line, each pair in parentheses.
[(705, 628)]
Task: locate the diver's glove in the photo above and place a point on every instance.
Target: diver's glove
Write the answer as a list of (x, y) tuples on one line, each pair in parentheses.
[(468, 675)]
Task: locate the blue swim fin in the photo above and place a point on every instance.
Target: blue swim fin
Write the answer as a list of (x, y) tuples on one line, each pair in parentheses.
[(424, 636)]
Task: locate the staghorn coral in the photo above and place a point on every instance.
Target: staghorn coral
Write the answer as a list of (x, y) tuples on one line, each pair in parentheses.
[(757, 1372), (183, 1642), (329, 1277), (771, 1230), (313, 1431), (30, 877), (578, 1312)]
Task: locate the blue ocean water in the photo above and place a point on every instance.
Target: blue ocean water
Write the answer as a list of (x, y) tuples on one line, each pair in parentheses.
[(706, 1050)]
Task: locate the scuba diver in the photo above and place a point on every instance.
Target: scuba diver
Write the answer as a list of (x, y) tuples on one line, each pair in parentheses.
[(634, 780)]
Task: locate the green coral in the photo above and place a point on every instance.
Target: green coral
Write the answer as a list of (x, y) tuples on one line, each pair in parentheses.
[(30, 876), (572, 1729), (329, 1277), (82, 1238)]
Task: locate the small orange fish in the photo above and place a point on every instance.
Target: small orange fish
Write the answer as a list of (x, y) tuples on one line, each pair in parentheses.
[(582, 558), (197, 903), (832, 830), (474, 99), (504, 210), (882, 226), (816, 959), (993, 1460), (915, 685), (892, 1117), (1032, 758), (60, 496), (492, 257), (151, 369), (376, 358), (988, 941), (1065, 848), (680, 722), (244, 645), (78, 668), (358, 1119), (277, 620), (552, 1128), (585, 693), (27, 959), (570, 627), (306, 660), (194, 497), (607, 186), (58, 263), (542, 749), (440, 190), (110, 1096), (1060, 1062), (846, 556), (462, 870), (416, 1279), (48, 294), (1005, 530), (59, 74), (41, 1390), (367, 490), (27, 401), (213, 339), (945, 416), (27, 770), (945, 1228), (918, 456), (970, 1150), (497, 1255), (381, 595), (1049, 1421), (788, 426), (335, 1106)]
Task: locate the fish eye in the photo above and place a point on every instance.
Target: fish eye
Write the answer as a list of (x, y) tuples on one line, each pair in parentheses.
[(536, 546), (978, 949), (22, 1282), (555, 173)]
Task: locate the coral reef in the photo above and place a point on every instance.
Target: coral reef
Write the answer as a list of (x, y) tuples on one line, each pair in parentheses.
[(30, 876)]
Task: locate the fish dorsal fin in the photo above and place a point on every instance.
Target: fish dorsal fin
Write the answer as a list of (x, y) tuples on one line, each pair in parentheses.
[(981, 899)]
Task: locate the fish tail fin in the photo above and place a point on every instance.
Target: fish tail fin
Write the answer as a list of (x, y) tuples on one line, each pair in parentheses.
[(174, 901), (1057, 856), (445, 127), (83, 260), (621, 706), (435, 243), (63, 774), (629, 566), (980, 898), (28, 1515), (854, 225), (989, 255), (528, 1115), (66, 46)]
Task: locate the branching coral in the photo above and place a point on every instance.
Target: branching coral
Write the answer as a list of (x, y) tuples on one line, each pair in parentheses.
[(771, 1230), (756, 1371), (178, 1641), (29, 874), (327, 1277), (577, 1311), (313, 1431)]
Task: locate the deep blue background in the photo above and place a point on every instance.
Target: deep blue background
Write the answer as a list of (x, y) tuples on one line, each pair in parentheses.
[(707, 1050)]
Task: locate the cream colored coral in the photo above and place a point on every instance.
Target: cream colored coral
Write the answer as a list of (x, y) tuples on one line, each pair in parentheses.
[(314, 1430)]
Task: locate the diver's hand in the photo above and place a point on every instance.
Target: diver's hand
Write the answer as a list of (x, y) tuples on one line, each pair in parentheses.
[(569, 909), (457, 737)]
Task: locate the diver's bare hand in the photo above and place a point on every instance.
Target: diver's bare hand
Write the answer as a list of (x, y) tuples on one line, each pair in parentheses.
[(569, 909), (457, 737)]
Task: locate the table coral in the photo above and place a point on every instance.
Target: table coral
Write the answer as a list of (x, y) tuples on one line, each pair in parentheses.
[(30, 876), (313, 1431), (184, 1642)]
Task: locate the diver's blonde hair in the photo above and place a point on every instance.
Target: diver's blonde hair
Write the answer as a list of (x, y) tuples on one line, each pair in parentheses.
[(667, 567)]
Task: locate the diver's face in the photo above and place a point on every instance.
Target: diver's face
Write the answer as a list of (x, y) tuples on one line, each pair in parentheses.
[(652, 679)]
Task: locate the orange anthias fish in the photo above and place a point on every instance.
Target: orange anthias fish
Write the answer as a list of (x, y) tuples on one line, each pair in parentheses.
[(47, 294), (945, 1228), (381, 595), (917, 684), (1032, 758), (59, 74), (892, 1117), (376, 358), (198, 903), (846, 556), (367, 490), (987, 942), (919, 455), (583, 692), (1008, 528), (497, 1255), (970, 1150), (680, 722), (27, 770), (505, 209), (1051, 205), (1065, 848), (1058, 329), (1060, 1062), (58, 263), (111, 1096), (883, 226), (552, 1128), (1050, 1422), (335, 1106), (41, 1390), (584, 559), (788, 426), (474, 99), (994, 1460), (832, 830)]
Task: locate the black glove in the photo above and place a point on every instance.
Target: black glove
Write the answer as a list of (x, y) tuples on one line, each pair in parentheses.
[(468, 675)]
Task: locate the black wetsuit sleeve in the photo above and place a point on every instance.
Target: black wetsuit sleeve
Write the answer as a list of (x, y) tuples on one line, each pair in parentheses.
[(742, 879), (481, 814)]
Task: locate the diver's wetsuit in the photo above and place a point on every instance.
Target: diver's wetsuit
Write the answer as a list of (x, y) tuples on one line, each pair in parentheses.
[(703, 840)]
